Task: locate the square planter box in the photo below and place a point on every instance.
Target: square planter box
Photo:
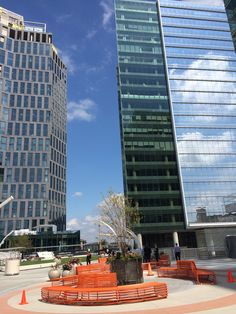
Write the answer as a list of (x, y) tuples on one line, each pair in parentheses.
[(128, 272)]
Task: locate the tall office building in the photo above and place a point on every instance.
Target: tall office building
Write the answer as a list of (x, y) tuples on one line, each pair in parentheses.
[(32, 126), (177, 101), (230, 6)]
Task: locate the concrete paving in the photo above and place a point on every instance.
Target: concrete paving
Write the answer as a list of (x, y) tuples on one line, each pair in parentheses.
[(184, 296)]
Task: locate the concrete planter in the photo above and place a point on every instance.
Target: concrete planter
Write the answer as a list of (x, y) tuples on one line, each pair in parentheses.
[(53, 273), (128, 271), (12, 267), (66, 273)]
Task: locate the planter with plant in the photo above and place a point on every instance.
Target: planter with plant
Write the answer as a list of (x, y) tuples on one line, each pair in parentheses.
[(119, 215), (54, 273), (66, 269)]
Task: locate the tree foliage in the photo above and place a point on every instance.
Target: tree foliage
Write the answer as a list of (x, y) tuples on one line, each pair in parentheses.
[(121, 215), (20, 241)]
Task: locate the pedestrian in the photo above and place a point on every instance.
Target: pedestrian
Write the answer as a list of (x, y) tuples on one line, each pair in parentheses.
[(88, 257), (177, 251), (147, 254), (156, 253)]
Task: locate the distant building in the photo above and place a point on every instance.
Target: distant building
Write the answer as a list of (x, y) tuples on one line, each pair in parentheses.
[(64, 241), (32, 126)]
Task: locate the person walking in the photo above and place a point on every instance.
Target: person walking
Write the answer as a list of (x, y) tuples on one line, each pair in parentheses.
[(88, 257), (147, 254), (156, 253), (177, 251)]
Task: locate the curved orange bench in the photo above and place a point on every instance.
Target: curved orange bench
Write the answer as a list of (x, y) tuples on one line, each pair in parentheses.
[(164, 260), (88, 280), (96, 267), (104, 296), (102, 259)]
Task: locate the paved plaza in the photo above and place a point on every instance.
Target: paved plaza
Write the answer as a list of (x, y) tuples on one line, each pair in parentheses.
[(184, 296)]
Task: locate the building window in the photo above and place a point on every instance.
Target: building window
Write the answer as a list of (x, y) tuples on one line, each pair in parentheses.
[(36, 191), (32, 174), (17, 174), (14, 210), (30, 159), (37, 159), (4, 191), (6, 211), (28, 191), (22, 159), (24, 175), (22, 209), (37, 209), (9, 175), (26, 224), (11, 143), (3, 143), (30, 209), (20, 191), (19, 142)]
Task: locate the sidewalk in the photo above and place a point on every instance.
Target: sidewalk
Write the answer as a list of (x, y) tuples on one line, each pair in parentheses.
[(184, 296)]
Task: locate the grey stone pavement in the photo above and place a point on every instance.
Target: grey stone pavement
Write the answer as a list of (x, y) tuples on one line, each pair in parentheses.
[(183, 294)]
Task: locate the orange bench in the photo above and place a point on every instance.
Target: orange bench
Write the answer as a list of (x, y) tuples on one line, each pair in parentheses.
[(88, 280), (96, 267), (102, 259), (164, 260), (188, 270), (104, 296)]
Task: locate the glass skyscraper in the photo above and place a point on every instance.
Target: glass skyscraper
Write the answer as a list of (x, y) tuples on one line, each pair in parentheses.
[(32, 126), (176, 79), (230, 6)]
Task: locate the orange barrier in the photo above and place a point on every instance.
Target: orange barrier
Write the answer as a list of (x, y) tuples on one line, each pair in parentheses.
[(108, 295), (164, 260), (102, 259), (95, 267), (88, 280), (187, 269)]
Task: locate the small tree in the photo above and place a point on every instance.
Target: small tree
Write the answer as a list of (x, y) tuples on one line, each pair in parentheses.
[(120, 214), (22, 241)]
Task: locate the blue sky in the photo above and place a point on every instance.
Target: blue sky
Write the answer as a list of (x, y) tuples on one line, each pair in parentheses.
[(84, 33)]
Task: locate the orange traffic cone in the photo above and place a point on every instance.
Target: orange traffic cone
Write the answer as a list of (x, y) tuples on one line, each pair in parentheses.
[(150, 272), (230, 276), (23, 298)]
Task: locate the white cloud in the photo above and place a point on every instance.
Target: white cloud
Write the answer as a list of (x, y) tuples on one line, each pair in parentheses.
[(91, 33), (63, 18), (78, 194), (108, 11), (193, 80), (68, 61), (207, 152), (206, 2), (82, 110), (88, 227)]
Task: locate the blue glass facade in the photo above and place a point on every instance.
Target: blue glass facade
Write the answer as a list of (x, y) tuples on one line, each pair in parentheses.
[(32, 127), (202, 74), (182, 52)]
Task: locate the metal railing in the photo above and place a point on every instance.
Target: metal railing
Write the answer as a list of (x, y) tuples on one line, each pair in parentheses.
[(197, 253)]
